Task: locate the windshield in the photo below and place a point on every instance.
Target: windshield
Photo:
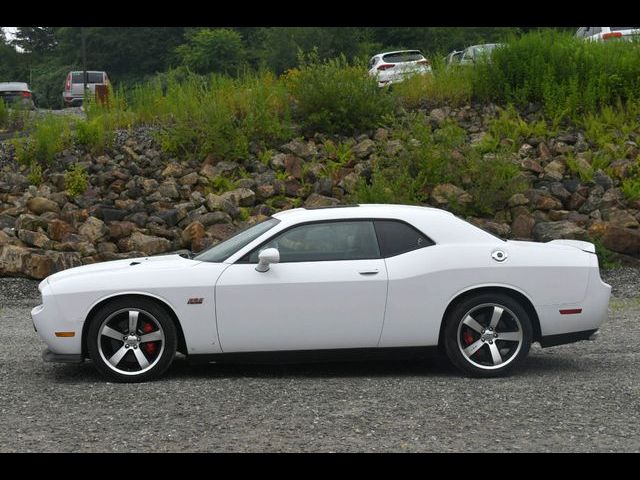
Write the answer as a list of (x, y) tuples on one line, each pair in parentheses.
[(223, 250)]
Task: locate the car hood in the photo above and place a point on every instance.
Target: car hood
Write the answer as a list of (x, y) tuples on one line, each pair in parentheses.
[(162, 262)]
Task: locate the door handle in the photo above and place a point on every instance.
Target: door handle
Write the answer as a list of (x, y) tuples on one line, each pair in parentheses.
[(371, 271)]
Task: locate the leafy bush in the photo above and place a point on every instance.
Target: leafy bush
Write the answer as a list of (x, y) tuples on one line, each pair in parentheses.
[(564, 73), (35, 175), (76, 180), (335, 96), (50, 135), (219, 50), (214, 115), (445, 85), (430, 158)]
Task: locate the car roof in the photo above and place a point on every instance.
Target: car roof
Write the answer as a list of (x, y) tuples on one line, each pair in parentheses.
[(440, 225), (368, 210), (88, 71), (14, 86), (399, 51)]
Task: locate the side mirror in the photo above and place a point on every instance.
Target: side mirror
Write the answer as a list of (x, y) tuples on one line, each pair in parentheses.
[(266, 257)]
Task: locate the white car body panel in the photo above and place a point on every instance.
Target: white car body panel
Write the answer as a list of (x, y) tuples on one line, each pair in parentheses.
[(301, 306), (399, 71), (70, 295), (330, 305)]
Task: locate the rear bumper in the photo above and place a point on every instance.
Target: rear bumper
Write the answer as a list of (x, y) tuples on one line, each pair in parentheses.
[(564, 338), (50, 357)]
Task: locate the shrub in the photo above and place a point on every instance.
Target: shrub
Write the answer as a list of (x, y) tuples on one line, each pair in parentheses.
[(445, 85), (566, 74), (76, 180), (50, 136), (430, 158), (35, 175), (215, 115), (219, 50), (335, 96)]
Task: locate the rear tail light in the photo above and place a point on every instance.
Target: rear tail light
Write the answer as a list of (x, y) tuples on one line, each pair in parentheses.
[(386, 66), (26, 94), (67, 84), (607, 36)]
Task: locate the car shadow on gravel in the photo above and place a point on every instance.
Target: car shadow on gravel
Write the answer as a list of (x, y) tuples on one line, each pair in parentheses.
[(435, 367)]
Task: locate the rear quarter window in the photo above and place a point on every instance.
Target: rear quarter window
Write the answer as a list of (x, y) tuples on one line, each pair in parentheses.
[(396, 237), (403, 57)]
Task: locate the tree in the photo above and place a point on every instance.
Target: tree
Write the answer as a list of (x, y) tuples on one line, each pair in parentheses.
[(36, 40), (218, 50)]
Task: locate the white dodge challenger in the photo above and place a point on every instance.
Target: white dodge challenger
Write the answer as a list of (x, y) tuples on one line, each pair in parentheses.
[(349, 281)]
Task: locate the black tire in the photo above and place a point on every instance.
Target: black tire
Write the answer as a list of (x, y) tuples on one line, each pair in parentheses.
[(117, 313), (481, 363)]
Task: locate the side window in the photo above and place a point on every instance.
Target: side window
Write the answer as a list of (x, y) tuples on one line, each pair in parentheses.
[(397, 237), (324, 241)]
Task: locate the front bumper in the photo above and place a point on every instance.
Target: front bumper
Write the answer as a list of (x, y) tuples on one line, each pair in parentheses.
[(50, 357), (49, 321)]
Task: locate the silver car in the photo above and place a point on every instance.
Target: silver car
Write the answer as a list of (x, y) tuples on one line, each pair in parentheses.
[(475, 53), (74, 86), (17, 94), (600, 34)]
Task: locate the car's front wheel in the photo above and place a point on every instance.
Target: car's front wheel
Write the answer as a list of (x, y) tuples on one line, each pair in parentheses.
[(131, 340), (487, 335)]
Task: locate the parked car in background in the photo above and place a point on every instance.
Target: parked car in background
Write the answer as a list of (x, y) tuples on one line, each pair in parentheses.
[(394, 67), (473, 54), (600, 34), (74, 86), (454, 57), (17, 94)]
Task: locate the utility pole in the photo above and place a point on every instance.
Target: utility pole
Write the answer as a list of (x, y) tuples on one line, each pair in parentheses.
[(84, 60)]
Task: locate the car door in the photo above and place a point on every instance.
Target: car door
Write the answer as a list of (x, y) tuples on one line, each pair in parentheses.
[(328, 291)]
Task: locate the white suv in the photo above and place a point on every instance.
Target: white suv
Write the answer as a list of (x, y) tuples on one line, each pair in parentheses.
[(394, 67), (74, 86), (599, 34)]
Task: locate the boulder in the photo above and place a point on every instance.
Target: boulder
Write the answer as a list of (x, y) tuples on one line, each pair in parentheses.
[(446, 193), (621, 240), (546, 231), (94, 229), (147, 244), (40, 205), (318, 201)]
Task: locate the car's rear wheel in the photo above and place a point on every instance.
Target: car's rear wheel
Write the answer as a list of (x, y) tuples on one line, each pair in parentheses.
[(132, 340), (487, 335)]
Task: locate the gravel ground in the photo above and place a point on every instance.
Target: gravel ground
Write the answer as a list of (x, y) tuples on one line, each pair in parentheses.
[(583, 397)]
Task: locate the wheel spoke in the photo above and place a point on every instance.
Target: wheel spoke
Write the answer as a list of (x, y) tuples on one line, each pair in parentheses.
[(473, 348), (510, 336), (470, 322), (495, 354), (115, 359), (495, 318), (111, 333), (151, 337), (142, 360), (133, 321)]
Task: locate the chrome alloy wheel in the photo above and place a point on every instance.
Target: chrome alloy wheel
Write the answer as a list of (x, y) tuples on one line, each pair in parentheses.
[(131, 341), (490, 336)]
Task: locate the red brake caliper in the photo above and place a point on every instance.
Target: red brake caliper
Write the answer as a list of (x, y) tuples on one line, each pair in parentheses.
[(149, 347), (467, 338)]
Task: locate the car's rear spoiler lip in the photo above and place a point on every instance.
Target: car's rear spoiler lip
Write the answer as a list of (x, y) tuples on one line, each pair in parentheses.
[(579, 244)]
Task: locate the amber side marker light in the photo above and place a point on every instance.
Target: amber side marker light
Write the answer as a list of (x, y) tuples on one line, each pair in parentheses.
[(65, 334)]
